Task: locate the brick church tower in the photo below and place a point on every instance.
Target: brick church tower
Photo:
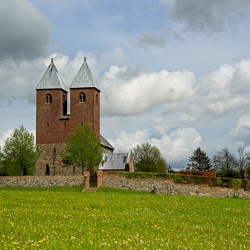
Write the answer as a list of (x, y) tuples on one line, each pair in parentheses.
[(54, 124), (85, 100)]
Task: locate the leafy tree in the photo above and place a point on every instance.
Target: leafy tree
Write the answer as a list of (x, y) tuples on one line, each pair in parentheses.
[(226, 164), (242, 162), (148, 158), (83, 149), (2, 168), (19, 153), (199, 161)]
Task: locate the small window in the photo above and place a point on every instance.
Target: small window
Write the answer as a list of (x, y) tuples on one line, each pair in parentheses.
[(82, 98), (97, 99), (124, 159), (48, 98)]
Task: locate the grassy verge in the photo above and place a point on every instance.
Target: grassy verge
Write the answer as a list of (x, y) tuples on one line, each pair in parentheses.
[(64, 218)]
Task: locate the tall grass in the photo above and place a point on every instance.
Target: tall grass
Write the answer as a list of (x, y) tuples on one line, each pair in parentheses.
[(65, 218)]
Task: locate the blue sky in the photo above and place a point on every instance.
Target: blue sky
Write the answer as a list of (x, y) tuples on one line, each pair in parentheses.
[(172, 73)]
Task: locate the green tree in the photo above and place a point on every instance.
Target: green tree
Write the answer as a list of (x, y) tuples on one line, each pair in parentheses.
[(19, 153), (83, 149), (2, 168), (199, 161), (226, 164), (148, 158), (242, 161)]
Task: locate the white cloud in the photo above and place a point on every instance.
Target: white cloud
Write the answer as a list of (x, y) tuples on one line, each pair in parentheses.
[(18, 80), (134, 90), (125, 142), (114, 57), (179, 144), (4, 135), (187, 118), (175, 147), (242, 129), (221, 92), (145, 91)]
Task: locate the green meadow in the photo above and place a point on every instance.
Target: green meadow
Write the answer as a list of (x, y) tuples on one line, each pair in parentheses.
[(65, 218)]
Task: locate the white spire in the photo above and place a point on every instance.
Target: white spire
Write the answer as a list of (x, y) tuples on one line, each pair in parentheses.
[(51, 79), (84, 78)]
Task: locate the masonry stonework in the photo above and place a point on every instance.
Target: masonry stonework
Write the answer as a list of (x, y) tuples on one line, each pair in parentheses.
[(41, 181), (167, 186), (51, 154)]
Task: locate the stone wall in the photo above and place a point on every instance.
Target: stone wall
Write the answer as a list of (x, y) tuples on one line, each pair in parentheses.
[(167, 186), (150, 185), (51, 154), (40, 181)]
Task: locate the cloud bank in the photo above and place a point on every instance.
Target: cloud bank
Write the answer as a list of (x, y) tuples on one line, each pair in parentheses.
[(25, 32), (210, 16)]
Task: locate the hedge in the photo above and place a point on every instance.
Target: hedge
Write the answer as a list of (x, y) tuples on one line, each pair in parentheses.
[(191, 179)]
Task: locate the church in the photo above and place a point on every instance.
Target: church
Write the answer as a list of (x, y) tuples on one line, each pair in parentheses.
[(54, 123)]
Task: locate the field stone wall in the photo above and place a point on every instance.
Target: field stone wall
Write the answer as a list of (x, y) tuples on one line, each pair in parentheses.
[(56, 167), (167, 186), (41, 181)]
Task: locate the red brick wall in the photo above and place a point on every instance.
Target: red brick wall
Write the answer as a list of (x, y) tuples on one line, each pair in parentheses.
[(49, 129), (211, 173), (52, 130), (88, 112)]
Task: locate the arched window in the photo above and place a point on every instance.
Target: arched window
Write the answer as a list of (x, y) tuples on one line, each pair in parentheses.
[(97, 99), (82, 98), (48, 98)]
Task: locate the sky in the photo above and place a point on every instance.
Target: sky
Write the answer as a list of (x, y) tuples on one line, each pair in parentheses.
[(172, 73)]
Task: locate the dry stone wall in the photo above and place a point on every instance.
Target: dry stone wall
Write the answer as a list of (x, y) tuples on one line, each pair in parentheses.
[(167, 186), (151, 185), (41, 181)]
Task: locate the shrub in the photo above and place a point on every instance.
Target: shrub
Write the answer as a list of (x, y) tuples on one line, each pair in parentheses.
[(190, 179), (248, 185)]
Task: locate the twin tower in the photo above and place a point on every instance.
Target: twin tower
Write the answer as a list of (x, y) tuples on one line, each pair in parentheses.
[(53, 122)]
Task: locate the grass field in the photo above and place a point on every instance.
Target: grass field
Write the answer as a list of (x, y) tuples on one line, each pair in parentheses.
[(65, 218)]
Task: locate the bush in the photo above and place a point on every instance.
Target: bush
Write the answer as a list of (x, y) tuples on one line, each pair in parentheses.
[(236, 183), (248, 185), (190, 179), (231, 173)]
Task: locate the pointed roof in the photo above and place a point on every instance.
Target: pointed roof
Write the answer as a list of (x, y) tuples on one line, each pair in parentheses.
[(51, 79), (84, 78)]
